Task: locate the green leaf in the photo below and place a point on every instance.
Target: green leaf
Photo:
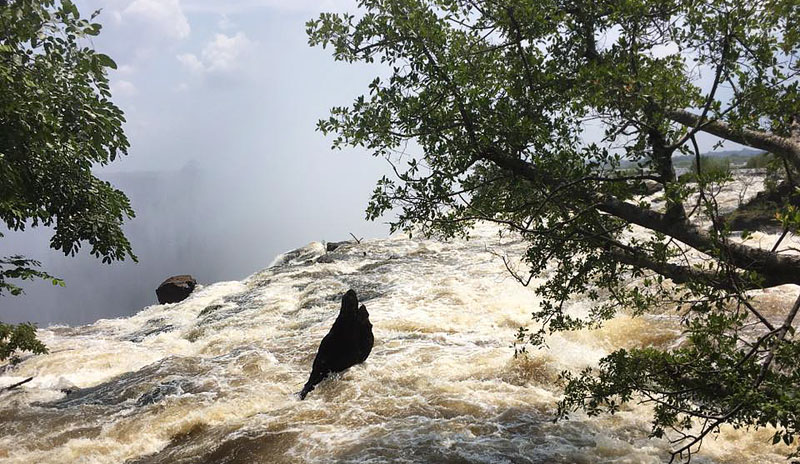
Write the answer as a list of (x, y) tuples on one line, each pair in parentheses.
[(106, 61)]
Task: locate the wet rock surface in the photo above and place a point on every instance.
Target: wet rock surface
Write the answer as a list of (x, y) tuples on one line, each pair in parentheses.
[(332, 246), (760, 212), (175, 289), (151, 328), (169, 388), (348, 343)]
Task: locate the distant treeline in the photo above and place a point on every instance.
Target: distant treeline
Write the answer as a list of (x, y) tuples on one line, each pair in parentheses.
[(715, 160)]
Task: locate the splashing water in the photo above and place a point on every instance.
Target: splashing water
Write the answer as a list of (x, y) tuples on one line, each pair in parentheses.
[(213, 378)]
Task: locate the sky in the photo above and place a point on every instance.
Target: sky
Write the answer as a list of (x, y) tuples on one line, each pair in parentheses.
[(225, 169), (230, 82)]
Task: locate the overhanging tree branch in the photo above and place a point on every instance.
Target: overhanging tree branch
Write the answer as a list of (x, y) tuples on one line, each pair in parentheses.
[(514, 86), (774, 269), (783, 147)]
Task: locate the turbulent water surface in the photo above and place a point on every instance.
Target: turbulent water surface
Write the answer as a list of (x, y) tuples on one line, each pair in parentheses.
[(214, 378)]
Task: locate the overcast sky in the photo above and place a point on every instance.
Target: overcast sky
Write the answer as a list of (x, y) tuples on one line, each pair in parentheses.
[(224, 82)]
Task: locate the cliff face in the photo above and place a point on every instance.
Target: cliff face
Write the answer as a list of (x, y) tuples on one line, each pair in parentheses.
[(213, 378)]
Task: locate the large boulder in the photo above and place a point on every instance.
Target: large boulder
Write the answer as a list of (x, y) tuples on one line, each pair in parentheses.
[(175, 289)]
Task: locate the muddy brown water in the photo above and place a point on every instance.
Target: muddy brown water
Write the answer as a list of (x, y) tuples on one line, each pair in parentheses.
[(213, 379)]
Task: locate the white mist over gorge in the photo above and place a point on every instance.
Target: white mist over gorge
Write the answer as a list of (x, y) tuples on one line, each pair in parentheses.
[(225, 168), (212, 224)]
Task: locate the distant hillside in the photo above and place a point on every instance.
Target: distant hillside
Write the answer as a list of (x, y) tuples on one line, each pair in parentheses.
[(745, 152), (683, 161), (734, 155)]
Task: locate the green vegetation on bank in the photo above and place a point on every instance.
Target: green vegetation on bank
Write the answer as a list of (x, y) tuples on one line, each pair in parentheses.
[(710, 166), (58, 122), (761, 161)]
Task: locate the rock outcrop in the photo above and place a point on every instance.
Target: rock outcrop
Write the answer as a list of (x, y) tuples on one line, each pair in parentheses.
[(332, 246), (348, 343), (175, 289), (759, 212)]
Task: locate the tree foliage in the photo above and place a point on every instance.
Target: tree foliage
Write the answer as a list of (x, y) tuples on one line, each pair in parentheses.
[(498, 98), (58, 122)]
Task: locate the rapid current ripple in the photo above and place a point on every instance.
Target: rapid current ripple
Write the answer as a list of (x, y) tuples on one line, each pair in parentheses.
[(213, 379)]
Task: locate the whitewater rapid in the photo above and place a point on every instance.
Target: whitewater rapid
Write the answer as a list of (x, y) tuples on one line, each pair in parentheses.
[(213, 379)]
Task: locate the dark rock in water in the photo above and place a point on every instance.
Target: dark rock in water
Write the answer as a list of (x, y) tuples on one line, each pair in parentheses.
[(325, 259), (175, 289), (139, 336), (348, 343), (173, 387), (332, 246), (759, 212), (651, 187), (209, 309)]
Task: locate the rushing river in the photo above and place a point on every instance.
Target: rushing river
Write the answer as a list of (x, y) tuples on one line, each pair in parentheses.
[(213, 379)]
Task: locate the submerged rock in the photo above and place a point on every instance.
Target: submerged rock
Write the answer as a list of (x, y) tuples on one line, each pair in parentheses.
[(348, 343), (300, 256), (139, 336), (170, 388), (209, 309), (150, 384), (175, 289)]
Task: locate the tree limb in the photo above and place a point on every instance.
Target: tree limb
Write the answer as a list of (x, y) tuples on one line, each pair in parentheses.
[(773, 268), (786, 148), (13, 386)]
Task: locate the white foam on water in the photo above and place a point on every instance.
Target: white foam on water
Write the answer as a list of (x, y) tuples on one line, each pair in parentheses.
[(441, 383)]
